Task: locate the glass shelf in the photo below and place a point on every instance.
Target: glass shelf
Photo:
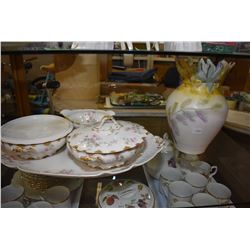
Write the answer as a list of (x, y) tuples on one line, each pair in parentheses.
[(8, 48)]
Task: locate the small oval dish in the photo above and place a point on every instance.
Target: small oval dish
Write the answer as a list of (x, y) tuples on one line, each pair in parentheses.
[(86, 117)]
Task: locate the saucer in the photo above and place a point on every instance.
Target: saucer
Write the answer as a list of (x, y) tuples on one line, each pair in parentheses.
[(12, 204), (126, 194)]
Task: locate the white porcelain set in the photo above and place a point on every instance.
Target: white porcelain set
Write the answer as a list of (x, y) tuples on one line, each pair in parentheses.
[(23, 193), (39, 136), (62, 164), (99, 141), (13, 196), (211, 195), (201, 173), (192, 187)]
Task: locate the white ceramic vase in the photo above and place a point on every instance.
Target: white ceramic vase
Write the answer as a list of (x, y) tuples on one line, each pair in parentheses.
[(195, 116)]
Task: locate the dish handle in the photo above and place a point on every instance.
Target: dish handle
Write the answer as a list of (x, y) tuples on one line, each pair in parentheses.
[(66, 112), (110, 112), (106, 118)]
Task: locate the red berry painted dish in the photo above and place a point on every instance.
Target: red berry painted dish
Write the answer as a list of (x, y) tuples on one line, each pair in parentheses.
[(126, 194)]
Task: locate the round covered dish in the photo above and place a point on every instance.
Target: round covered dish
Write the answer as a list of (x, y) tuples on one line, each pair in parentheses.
[(111, 144), (35, 136), (86, 117)]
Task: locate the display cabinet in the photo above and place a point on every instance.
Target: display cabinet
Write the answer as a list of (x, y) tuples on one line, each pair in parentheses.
[(91, 77)]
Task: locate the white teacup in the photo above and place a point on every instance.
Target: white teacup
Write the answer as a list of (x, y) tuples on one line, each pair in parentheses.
[(12, 204), (58, 196), (182, 204), (204, 199), (179, 191), (40, 204), (204, 168), (169, 175), (197, 181), (11, 193), (219, 192)]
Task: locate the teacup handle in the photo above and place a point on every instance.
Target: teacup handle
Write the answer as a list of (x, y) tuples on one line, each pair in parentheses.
[(213, 171)]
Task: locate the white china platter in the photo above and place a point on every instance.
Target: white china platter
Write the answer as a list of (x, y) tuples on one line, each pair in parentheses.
[(35, 129), (64, 165)]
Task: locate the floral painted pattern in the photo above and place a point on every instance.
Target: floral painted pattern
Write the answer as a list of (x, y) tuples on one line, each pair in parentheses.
[(182, 114), (126, 194), (107, 138)]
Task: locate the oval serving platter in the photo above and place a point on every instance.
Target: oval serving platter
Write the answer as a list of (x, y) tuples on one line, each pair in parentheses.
[(62, 164)]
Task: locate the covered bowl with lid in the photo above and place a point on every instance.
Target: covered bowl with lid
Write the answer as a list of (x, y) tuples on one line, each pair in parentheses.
[(35, 136), (109, 144)]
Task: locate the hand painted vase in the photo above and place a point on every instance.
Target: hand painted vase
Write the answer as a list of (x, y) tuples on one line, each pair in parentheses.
[(195, 115)]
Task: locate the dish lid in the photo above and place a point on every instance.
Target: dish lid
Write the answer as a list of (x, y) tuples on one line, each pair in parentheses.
[(126, 194), (35, 129), (86, 116), (109, 137)]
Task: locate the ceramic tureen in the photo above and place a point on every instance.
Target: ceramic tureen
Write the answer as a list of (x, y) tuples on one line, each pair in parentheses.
[(86, 117), (109, 144), (35, 136)]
